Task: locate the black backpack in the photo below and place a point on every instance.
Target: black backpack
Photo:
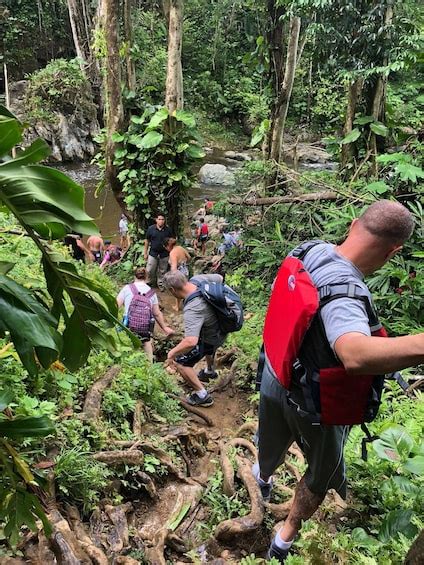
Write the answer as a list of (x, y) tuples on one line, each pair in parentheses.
[(225, 302)]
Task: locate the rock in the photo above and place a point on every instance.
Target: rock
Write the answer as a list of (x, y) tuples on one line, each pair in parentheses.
[(237, 156), (216, 174), (307, 153)]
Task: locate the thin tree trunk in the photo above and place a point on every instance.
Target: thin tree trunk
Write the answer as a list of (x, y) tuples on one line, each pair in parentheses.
[(286, 90), (174, 97), (354, 92), (79, 34), (114, 110), (130, 67)]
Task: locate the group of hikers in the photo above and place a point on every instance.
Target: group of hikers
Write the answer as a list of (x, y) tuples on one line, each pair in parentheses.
[(325, 354)]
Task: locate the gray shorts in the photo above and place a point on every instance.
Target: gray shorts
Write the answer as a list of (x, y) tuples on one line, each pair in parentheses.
[(280, 425)]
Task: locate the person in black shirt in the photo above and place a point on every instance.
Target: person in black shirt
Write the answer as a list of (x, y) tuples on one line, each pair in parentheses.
[(154, 252)]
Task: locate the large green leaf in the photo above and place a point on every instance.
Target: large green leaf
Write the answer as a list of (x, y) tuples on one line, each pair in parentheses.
[(19, 428), (10, 133), (415, 465), (195, 151), (150, 140), (409, 172), (185, 117), (157, 118), (44, 199), (21, 509), (394, 444), (37, 151), (360, 538), (31, 326), (379, 129), (351, 136), (6, 397), (397, 522)]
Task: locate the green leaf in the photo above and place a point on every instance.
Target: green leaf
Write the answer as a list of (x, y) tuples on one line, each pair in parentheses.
[(195, 152), (386, 158), (396, 522), (408, 172), (150, 140), (5, 267), (37, 151), (185, 117), (351, 137), (157, 118), (137, 119), (360, 538), (379, 129), (378, 187), (362, 120), (20, 427), (6, 397), (175, 521), (117, 137), (415, 465), (44, 199), (406, 486), (120, 152), (10, 133), (394, 444)]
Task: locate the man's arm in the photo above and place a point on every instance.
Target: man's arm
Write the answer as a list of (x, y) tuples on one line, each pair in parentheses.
[(183, 347), (362, 355), (146, 249), (160, 320)]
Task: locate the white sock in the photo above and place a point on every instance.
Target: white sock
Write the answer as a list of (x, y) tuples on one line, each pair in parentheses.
[(202, 393), (209, 371), (263, 482), (279, 542)]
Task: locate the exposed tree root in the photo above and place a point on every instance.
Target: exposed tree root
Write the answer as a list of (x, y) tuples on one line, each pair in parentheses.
[(293, 470), (65, 546), (193, 410), (117, 515), (127, 457), (38, 553), (138, 418), (125, 560), (155, 554), (227, 357), (149, 485), (296, 452), (93, 399), (247, 427), (95, 553), (225, 379), (228, 529), (280, 511), (227, 468)]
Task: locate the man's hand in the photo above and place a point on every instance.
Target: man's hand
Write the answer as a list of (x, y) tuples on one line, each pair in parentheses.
[(168, 331), (170, 361), (146, 255)]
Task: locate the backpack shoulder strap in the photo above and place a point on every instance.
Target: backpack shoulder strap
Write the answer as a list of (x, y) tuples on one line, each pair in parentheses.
[(331, 292), (149, 293), (133, 289), (304, 248)]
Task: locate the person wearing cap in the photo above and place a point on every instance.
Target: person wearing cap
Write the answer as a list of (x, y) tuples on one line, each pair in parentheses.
[(112, 255)]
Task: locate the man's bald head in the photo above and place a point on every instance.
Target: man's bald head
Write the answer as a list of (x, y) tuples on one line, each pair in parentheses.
[(389, 221)]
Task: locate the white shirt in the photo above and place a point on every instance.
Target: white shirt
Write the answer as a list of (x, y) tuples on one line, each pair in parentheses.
[(126, 295), (123, 226)]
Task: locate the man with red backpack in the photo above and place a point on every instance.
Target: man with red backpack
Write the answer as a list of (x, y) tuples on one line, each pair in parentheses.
[(325, 356), (141, 310), (202, 235)]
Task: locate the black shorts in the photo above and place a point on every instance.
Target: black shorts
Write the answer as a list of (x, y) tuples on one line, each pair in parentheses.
[(196, 354), (203, 238)]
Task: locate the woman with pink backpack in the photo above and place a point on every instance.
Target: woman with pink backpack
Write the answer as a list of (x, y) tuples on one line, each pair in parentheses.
[(141, 310)]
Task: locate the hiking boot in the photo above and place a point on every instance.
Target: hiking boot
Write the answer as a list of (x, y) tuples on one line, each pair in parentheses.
[(195, 400), (205, 377), (275, 552), (265, 488)]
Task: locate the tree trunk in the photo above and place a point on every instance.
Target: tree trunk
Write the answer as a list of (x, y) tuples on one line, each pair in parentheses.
[(130, 67), (354, 92), (174, 98), (416, 553), (109, 11)]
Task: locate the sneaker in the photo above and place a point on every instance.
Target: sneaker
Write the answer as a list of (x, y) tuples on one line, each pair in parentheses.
[(275, 552), (205, 377), (195, 400), (265, 488)]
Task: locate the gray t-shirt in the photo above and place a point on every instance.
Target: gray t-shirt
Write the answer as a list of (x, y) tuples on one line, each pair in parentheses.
[(342, 315), (200, 319)]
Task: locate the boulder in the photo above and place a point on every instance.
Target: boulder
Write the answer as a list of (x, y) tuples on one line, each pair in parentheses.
[(237, 156), (216, 174), (307, 153)]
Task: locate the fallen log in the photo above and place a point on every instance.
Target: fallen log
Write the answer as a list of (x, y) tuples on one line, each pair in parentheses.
[(193, 410), (93, 399), (270, 200), (229, 529), (117, 457)]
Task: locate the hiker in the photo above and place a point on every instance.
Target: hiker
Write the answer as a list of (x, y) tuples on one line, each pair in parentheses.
[(228, 243), (112, 254), (317, 382), (76, 247), (204, 329), (202, 235), (209, 204), (141, 309), (178, 261), (96, 246), (123, 232), (154, 252)]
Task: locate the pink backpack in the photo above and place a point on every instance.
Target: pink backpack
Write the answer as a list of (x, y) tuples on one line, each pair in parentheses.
[(140, 312)]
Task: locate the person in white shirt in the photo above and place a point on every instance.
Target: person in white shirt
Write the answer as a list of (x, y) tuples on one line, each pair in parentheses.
[(123, 232)]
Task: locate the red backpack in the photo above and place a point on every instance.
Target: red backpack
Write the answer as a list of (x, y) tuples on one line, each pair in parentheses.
[(140, 312), (293, 329)]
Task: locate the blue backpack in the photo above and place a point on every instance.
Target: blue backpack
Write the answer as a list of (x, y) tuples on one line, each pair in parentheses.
[(225, 302)]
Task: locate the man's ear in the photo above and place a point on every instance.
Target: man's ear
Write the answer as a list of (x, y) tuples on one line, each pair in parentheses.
[(393, 252), (352, 224)]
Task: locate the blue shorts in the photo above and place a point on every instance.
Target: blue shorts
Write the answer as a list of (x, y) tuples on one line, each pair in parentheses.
[(193, 356)]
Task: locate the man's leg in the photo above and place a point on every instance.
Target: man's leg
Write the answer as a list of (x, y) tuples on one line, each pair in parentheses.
[(305, 503), (151, 268), (162, 268), (210, 363), (148, 350), (190, 377)]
